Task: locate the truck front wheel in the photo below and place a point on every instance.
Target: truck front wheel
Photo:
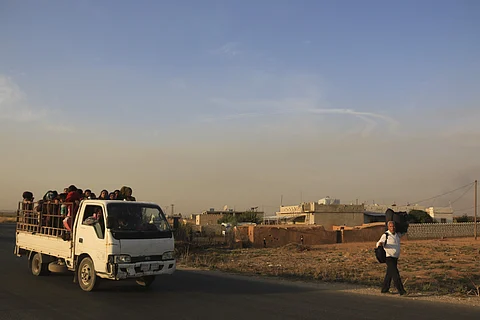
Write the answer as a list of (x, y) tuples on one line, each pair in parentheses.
[(38, 268), (145, 281), (87, 279)]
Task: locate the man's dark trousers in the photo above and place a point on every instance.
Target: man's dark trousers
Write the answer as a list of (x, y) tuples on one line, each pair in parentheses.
[(392, 273)]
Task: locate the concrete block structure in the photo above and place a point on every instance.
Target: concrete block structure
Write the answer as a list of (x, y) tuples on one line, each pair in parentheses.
[(313, 213)]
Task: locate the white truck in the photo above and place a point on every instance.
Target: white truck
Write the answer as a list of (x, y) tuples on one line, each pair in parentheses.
[(106, 239)]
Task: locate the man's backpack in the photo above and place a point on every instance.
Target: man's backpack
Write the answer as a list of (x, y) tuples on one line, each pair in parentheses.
[(380, 253)]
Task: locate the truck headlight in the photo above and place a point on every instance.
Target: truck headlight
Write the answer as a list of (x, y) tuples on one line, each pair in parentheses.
[(123, 258), (169, 255)]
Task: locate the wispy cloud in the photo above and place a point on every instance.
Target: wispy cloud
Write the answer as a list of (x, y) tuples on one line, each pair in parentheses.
[(13, 103), (15, 107), (236, 110), (229, 49), (367, 117)]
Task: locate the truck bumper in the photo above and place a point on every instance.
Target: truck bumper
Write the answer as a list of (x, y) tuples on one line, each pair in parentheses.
[(140, 269)]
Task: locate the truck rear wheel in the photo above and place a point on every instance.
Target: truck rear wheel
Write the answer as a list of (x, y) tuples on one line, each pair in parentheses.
[(145, 281), (87, 278), (37, 267)]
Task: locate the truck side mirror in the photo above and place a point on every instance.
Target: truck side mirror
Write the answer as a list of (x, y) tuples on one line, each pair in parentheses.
[(110, 222)]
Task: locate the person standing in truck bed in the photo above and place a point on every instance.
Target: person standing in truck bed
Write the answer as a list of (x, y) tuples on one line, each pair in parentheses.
[(126, 194), (74, 197)]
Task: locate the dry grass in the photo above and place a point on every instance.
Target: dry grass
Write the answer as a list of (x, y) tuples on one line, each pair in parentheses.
[(7, 219), (428, 266)]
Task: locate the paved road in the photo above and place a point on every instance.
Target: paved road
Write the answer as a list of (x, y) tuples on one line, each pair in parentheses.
[(196, 295)]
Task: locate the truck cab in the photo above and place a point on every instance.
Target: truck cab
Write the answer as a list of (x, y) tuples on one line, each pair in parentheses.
[(99, 239)]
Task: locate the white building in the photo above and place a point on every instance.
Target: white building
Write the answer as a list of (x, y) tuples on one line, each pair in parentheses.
[(441, 214), (327, 215), (328, 201), (381, 208)]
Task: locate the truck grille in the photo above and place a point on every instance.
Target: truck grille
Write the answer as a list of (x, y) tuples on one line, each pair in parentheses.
[(146, 258)]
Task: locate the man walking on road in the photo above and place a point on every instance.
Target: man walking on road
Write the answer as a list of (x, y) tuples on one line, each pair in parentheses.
[(391, 244)]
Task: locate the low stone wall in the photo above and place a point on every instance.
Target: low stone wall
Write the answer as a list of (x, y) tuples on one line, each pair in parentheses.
[(442, 230)]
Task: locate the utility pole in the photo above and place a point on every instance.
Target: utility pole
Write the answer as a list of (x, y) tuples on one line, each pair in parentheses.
[(172, 209), (475, 218)]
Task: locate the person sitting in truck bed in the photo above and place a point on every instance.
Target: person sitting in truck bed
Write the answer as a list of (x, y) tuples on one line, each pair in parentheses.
[(60, 199), (54, 210), (88, 194), (103, 195), (27, 203), (46, 207), (27, 207)]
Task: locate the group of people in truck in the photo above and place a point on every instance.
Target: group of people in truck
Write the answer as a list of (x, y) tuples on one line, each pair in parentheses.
[(58, 210)]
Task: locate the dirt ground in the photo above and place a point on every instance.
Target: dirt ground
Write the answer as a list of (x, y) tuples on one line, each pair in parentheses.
[(427, 267), (7, 219)]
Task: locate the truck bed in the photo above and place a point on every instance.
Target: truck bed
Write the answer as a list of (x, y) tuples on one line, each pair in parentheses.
[(42, 230), (45, 244)]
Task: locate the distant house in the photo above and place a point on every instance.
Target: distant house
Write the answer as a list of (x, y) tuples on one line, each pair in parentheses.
[(441, 214), (314, 213), (381, 208), (328, 201)]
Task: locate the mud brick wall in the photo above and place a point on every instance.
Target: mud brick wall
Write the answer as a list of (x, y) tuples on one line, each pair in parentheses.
[(280, 235), (441, 230), (371, 234)]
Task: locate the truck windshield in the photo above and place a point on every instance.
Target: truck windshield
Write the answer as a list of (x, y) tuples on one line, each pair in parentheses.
[(132, 220)]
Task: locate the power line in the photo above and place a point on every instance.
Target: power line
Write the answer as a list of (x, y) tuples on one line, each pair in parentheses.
[(441, 195), (465, 209), (461, 195)]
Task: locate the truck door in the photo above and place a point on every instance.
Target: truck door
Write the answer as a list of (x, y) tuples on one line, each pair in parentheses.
[(90, 235)]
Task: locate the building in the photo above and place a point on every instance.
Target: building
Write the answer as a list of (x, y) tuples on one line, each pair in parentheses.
[(441, 214), (315, 213), (381, 208), (329, 200)]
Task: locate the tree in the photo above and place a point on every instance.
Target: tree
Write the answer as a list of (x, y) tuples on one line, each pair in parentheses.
[(228, 218), (249, 216), (419, 216), (234, 219), (464, 218)]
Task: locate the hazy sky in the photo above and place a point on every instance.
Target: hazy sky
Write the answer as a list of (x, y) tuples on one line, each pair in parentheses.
[(210, 103)]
